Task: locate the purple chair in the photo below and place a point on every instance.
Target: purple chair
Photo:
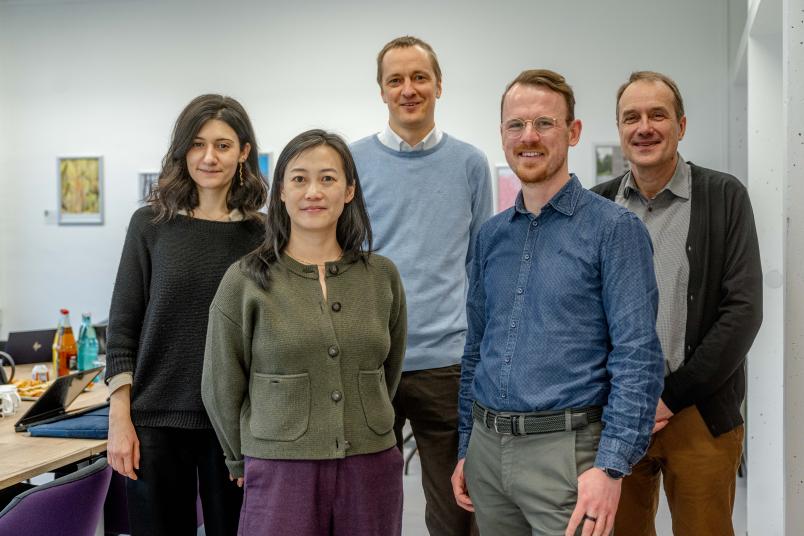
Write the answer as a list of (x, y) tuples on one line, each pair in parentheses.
[(69, 506)]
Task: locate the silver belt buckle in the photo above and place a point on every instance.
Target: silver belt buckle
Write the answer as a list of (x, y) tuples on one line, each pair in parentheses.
[(495, 424)]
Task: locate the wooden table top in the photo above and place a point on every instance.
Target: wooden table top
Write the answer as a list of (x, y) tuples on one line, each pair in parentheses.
[(23, 456)]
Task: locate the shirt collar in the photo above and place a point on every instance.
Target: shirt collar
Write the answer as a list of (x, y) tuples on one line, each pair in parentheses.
[(392, 140), (678, 185), (564, 201)]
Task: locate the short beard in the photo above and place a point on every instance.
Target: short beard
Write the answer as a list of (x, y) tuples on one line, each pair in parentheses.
[(548, 173)]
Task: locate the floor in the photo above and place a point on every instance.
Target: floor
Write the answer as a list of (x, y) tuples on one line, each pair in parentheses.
[(413, 512)]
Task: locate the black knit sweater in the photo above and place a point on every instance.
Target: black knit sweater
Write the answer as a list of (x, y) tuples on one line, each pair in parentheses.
[(168, 275)]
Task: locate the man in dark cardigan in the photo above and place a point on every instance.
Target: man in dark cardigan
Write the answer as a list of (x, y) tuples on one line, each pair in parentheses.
[(706, 258)]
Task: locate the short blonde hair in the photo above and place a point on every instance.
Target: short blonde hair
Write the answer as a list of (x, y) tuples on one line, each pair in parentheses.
[(407, 41)]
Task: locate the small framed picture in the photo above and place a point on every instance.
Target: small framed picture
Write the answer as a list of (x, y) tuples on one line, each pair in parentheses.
[(508, 187), (266, 160), (609, 162), (80, 189), (147, 181)]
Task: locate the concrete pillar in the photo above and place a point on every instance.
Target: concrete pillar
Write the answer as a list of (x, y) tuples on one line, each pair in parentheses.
[(775, 65)]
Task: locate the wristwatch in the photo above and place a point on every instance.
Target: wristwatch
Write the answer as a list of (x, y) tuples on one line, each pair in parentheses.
[(613, 473)]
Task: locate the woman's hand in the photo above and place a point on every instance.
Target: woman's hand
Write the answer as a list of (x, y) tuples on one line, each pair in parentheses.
[(123, 449), (239, 481)]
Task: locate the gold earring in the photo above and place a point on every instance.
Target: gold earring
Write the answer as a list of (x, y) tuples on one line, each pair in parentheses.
[(241, 173)]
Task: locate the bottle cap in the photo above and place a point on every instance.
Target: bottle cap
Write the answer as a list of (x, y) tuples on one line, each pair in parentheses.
[(65, 311)]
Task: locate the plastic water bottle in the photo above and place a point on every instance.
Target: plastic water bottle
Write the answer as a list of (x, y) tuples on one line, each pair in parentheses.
[(87, 343)]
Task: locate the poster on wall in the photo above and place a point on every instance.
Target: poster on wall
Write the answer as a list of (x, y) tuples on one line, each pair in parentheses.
[(508, 187), (609, 162), (80, 190), (147, 184), (265, 160)]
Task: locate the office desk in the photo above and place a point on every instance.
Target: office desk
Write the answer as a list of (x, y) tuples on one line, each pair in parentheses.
[(23, 456)]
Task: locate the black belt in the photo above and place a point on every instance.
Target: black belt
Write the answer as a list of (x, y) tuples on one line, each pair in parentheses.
[(543, 422)]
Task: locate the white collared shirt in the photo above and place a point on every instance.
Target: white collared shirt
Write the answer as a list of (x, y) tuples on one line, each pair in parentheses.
[(392, 140)]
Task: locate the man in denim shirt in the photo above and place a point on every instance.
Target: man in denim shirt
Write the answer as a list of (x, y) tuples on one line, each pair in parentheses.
[(562, 367)]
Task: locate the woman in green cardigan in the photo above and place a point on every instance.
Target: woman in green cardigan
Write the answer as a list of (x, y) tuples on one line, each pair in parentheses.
[(304, 352)]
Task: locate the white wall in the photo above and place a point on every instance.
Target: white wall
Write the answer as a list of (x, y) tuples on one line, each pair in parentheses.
[(108, 78)]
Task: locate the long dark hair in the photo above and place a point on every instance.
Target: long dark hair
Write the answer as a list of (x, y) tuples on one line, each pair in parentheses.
[(176, 190), (353, 231)]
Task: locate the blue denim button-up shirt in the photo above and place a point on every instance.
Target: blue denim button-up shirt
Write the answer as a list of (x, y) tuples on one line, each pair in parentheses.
[(562, 314)]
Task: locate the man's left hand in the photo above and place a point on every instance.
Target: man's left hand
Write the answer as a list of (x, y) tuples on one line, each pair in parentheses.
[(598, 496)]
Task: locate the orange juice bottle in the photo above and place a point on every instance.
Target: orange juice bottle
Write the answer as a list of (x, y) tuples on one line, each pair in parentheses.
[(56, 343), (65, 351)]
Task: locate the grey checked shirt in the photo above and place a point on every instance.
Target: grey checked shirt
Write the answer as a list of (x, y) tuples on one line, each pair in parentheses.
[(667, 217)]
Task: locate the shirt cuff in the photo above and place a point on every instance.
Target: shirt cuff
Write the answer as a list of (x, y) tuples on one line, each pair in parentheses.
[(463, 444), (237, 468), (614, 454), (120, 380)]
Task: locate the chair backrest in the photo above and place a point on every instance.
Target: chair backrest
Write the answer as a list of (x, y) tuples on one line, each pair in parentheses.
[(69, 506)]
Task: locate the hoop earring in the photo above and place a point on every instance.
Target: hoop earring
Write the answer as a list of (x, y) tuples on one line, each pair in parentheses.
[(241, 173)]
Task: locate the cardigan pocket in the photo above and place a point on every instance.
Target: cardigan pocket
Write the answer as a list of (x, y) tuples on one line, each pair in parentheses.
[(280, 406), (376, 404)]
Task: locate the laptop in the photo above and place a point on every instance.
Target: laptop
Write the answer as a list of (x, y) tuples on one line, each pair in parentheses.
[(31, 346), (37, 346), (52, 405)]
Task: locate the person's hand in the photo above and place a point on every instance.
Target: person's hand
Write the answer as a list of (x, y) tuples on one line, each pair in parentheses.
[(123, 447), (238, 481), (598, 496), (459, 487), (658, 425), (663, 415)]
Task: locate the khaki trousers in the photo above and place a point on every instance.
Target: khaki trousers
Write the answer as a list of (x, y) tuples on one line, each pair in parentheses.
[(699, 474), (527, 485)]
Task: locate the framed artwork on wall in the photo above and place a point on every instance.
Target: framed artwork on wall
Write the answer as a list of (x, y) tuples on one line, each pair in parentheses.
[(266, 160), (80, 190), (609, 162), (508, 187), (147, 181)]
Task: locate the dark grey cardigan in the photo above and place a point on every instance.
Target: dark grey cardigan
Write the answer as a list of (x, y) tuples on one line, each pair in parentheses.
[(724, 302)]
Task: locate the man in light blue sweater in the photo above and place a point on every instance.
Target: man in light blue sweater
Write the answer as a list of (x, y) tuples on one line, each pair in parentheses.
[(427, 195)]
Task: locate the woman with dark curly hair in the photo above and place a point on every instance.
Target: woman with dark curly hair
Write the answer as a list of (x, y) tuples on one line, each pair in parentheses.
[(304, 353), (202, 217)]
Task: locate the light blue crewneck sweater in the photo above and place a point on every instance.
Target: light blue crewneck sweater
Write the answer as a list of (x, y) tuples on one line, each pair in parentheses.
[(426, 208)]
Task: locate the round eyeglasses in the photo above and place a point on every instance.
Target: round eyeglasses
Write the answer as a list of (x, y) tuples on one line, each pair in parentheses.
[(514, 128)]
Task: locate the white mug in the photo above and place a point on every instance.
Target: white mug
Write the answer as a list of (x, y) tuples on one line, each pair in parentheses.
[(9, 400)]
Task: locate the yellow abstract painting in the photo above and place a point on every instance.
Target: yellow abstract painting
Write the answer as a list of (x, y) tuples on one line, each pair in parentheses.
[(80, 190)]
